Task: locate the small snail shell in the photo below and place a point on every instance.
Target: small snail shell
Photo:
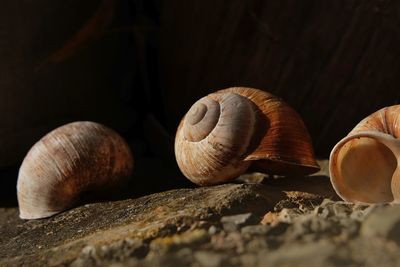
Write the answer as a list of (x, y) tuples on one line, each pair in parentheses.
[(68, 164), (364, 165), (226, 132)]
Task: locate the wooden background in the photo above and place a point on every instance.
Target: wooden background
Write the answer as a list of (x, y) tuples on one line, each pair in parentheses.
[(42, 85), (335, 62)]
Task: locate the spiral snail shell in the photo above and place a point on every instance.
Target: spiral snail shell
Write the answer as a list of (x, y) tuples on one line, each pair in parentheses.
[(364, 166), (69, 164), (231, 130)]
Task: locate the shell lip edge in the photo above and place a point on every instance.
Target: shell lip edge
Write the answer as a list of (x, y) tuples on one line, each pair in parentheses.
[(25, 215), (335, 179), (283, 166)]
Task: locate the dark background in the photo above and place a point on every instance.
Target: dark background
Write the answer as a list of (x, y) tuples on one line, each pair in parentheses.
[(138, 65)]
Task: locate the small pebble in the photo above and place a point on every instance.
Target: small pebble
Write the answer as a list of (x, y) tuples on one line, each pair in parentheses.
[(209, 259), (255, 229), (213, 230), (234, 222)]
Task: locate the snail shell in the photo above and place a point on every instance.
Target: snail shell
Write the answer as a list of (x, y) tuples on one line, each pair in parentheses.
[(364, 165), (226, 132), (69, 164)]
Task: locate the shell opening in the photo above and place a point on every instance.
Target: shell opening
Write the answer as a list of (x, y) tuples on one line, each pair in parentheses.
[(362, 170)]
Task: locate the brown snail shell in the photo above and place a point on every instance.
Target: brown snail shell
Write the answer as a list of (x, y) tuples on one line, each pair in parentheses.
[(68, 164), (364, 166), (231, 130)]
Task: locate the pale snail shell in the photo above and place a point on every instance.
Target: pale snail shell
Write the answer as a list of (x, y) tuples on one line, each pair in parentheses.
[(226, 132), (364, 166), (67, 164)]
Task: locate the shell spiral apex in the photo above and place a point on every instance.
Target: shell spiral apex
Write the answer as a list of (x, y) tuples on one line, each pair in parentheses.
[(69, 164), (226, 132), (364, 166)]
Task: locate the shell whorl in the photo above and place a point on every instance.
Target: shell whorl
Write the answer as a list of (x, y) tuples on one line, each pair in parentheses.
[(385, 120), (364, 166), (281, 144), (263, 131), (213, 137), (201, 119), (68, 164)]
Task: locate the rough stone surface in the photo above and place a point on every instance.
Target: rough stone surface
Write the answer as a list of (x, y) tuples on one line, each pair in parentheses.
[(384, 222), (60, 239), (278, 222), (234, 222)]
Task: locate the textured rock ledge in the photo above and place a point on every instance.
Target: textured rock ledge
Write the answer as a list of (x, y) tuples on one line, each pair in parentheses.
[(63, 238), (256, 222)]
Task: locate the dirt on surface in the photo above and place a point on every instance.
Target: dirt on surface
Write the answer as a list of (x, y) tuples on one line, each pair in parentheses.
[(257, 221)]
